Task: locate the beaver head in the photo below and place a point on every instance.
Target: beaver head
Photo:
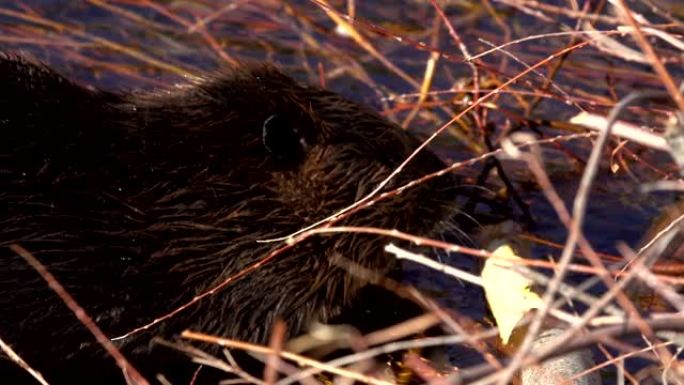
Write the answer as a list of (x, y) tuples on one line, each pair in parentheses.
[(139, 201)]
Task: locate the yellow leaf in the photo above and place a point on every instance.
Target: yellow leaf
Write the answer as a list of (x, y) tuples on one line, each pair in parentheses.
[(508, 292)]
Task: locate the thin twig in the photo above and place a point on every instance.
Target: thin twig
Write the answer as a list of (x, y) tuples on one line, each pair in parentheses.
[(130, 373)]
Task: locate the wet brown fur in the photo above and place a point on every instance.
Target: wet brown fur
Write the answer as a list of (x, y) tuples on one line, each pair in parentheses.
[(137, 202)]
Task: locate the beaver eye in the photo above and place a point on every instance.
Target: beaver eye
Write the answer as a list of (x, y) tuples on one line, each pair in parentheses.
[(283, 139)]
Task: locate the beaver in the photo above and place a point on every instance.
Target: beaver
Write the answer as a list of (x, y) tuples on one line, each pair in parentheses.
[(138, 201)]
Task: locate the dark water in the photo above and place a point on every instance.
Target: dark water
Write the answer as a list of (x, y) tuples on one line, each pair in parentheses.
[(123, 45)]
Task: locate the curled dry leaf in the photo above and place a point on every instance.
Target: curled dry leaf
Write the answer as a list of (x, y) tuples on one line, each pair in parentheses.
[(508, 292)]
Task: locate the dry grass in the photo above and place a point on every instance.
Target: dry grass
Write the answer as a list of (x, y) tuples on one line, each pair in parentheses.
[(492, 80)]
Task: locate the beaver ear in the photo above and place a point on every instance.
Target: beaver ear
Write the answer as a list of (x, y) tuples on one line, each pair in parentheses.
[(282, 138)]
